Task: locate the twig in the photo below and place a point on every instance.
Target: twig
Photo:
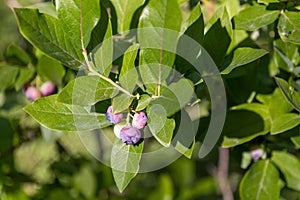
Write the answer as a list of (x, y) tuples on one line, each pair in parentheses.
[(222, 174)]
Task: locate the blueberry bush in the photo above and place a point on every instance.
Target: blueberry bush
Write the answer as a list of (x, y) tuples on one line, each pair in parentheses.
[(177, 99)]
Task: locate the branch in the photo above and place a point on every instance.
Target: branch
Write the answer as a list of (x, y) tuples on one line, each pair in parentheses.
[(222, 174)]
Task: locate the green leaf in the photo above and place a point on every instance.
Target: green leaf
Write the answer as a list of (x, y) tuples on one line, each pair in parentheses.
[(296, 141), (289, 165), (98, 33), (158, 33), (103, 56), (261, 182), (255, 17), (15, 52), (246, 160), (278, 105), (237, 37), (222, 15), (175, 96), (184, 139), (129, 76), (152, 73), (125, 161), (59, 116), (285, 122), (85, 181), (6, 138), (46, 33), (143, 102), (242, 56), (160, 126), (244, 123), (289, 27), (285, 89), (193, 27), (125, 10), (44, 7), (8, 76), (164, 188), (77, 16), (50, 69), (60, 37), (121, 103), (268, 1), (25, 75), (87, 90), (285, 55), (217, 48), (195, 17), (232, 7), (34, 159)]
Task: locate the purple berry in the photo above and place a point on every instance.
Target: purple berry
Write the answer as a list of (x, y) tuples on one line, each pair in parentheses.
[(113, 118), (33, 93), (47, 88), (257, 154), (118, 128), (130, 135), (139, 120)]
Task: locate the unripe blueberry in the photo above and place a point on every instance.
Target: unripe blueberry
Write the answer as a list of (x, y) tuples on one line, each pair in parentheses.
[(118, 128), (47, 88), (257, 154), (113, 118), (139, 120), (33, 93), (130, 135)]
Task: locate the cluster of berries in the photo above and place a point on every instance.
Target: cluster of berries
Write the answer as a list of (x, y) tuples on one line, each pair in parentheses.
[(128, 134), (33, 93)]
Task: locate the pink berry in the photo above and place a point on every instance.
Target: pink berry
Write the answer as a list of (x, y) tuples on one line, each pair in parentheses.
[(130, 135), (47, 88), (257, 154), (33, 93), (113, 118), (139, 120)]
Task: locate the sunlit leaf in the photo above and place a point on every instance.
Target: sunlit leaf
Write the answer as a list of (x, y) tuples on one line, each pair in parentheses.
[(125, 10), (289, 27), (285, 89), (243, 56), (125, 161), (59, 116), (244, 123), (289, 165), (160, 126), (129, 76), (103, 54), (255, 17), (86, 90), (158, 33), (285, 122), (121, 103), (261, 182)]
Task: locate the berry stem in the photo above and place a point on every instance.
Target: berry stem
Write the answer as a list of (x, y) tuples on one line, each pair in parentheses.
[(92, 70)]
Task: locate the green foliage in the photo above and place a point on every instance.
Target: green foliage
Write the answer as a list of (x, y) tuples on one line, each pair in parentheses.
[(48, 112), (254, 46), (289, 166), (254, 18), (260, 182), (125, 162)]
